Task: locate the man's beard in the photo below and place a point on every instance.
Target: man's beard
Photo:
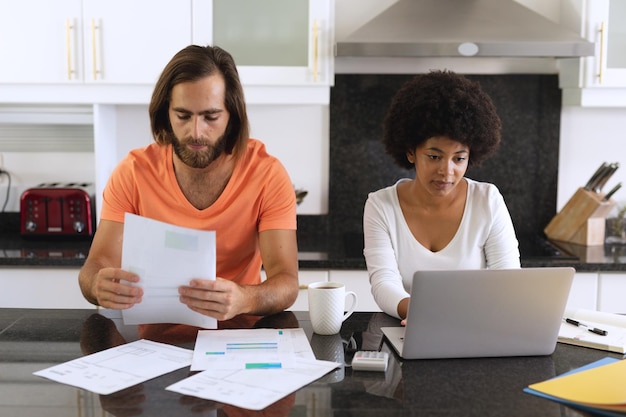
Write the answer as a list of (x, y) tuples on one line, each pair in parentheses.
[(198, 159)]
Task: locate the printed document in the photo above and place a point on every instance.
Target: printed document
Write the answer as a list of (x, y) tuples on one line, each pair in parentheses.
[(254, 389), (119, 367), (250, 349), (165, 257)]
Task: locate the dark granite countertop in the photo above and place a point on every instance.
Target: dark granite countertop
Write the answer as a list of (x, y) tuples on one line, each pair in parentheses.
[(316, 251), (31, 340)]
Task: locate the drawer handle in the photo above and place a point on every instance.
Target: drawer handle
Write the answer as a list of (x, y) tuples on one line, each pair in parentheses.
[(94, 54), (315, 50), (68, 47), (602, 31)]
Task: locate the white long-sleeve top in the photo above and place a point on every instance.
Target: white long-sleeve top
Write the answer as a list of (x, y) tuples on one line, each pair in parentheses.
[(485, 239)]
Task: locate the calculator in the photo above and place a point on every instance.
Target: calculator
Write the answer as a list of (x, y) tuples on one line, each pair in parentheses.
[(370, 360)]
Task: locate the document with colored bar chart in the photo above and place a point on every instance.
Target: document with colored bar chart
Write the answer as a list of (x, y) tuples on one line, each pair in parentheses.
[(238, 364), (250, 349)]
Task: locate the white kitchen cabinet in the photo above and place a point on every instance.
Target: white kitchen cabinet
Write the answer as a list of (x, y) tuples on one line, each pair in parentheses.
[(130, 42), (91, 51), (88, 51), (600, 80), (357, 281), (41, 288), (283, 48), (612, 292), (38, 41), (584, 292), (75, 41)]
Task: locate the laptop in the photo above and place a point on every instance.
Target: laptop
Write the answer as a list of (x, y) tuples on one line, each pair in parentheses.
[(483, 313)]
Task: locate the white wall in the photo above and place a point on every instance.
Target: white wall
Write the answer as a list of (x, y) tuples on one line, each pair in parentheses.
[(590, 136), (299, 137), (28, 169), (296, 134)]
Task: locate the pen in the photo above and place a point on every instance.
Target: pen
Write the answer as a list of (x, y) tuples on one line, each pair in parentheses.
[(590, 328)]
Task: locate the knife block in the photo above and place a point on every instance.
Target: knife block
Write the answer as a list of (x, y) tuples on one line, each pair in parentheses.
[(582, 220)]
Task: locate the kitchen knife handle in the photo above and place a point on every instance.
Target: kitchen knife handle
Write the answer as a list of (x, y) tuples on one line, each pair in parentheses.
[(594, 177), (606, 176), (608, 195)]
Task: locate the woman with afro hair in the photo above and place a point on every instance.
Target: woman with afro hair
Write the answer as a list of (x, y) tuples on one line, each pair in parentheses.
[(438, 124)]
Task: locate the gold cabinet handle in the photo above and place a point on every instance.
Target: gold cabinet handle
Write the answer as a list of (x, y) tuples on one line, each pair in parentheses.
[(315, 50), (68, 47), (94, 52), (602, 32)]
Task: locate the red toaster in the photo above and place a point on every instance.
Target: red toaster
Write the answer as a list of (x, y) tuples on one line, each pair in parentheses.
[(58, 209)]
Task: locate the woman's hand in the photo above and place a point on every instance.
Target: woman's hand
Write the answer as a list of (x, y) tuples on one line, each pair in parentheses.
[(403, 310)]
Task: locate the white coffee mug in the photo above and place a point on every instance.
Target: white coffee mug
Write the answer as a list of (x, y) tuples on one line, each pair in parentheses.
[(326, 306)]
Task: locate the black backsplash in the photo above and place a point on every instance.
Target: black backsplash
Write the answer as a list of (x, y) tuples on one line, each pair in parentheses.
[(524, 168)]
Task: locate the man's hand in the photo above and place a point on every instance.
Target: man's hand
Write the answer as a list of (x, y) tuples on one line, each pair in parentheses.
[(112, 288), (220, 298)]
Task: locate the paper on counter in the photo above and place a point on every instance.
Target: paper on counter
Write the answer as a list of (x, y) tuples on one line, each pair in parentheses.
[(254, 389), (614, 341), (119, 367), (614, 324), (165, 257), (250, 348)]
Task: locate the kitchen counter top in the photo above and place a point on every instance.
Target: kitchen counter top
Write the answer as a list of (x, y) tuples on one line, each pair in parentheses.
[(31, 340), (346, 252), (342, 252)]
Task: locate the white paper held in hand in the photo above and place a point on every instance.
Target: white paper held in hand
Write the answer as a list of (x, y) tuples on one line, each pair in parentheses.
[(165, 257)]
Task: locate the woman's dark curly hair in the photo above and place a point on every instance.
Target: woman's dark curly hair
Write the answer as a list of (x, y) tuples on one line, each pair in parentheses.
[(441, 103)]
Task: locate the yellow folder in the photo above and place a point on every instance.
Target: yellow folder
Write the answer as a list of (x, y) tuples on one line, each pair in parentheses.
[(602, 387)]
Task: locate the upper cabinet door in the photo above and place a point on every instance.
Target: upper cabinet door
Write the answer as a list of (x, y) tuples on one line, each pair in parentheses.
[(599, 80), (130, 42), (40, 41), (273, 42), (607, 28), (90, 41), (113, 51)]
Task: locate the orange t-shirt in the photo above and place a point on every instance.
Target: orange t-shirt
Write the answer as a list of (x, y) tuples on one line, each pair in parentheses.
[(259, 196)]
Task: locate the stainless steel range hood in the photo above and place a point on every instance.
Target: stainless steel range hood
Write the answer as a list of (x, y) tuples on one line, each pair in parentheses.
[(457, 28)]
